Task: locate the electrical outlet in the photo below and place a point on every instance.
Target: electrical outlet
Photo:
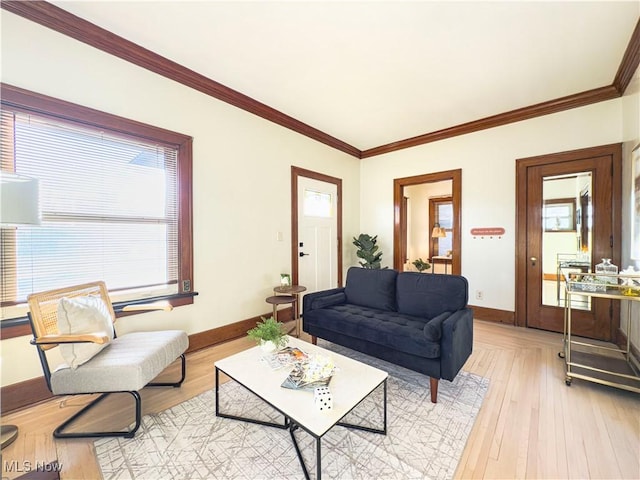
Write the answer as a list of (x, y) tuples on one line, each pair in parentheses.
[(186, 285), (479, 295)]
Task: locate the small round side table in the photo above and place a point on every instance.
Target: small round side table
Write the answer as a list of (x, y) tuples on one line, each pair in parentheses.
[(288, 292), (276, 300)]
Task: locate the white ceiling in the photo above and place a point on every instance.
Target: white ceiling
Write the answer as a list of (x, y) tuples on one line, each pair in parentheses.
[(371, 73)]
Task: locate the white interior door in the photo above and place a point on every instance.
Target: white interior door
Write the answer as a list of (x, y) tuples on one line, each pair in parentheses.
[(317, 234)]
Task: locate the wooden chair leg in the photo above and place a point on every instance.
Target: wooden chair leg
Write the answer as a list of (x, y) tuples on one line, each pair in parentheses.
[(433, 385), (314, 339)]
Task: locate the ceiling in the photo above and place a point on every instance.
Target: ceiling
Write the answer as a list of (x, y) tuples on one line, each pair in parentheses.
[(376, 72)]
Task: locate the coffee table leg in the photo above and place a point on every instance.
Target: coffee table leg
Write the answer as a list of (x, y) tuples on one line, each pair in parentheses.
[(382, 430), (318, 458), (283, 426), (217, 391), (299, 453)]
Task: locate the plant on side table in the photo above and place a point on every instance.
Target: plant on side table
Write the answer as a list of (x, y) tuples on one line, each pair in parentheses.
[(270, 334), (421, 265)]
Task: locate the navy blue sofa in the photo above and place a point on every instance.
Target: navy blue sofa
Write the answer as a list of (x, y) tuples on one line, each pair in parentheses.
[(416, 320)]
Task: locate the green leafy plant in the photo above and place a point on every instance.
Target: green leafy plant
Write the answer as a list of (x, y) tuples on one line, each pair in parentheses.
[(421, 265), (269, 329), (368, 250)]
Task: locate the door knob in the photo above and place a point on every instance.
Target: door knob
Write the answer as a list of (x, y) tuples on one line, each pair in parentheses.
[(533, 261), (302, 254)]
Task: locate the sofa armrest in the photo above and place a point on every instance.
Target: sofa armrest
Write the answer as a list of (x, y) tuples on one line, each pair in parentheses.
[(457, 342), (322, 299)]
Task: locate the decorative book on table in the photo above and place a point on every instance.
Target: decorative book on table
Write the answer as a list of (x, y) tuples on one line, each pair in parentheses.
[(311, 373), (286, 357)]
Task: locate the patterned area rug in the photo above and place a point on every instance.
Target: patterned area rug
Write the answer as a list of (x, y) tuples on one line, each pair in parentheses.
[(424, 440)]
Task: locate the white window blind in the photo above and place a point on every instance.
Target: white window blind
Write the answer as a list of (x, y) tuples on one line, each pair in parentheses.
[(109, 206)]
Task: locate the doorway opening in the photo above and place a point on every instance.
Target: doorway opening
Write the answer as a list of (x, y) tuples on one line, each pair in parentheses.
[(427, 221)]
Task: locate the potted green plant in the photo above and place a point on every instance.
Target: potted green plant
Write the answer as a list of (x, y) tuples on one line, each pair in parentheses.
[(421, 265), (270, 334), (368, 251)]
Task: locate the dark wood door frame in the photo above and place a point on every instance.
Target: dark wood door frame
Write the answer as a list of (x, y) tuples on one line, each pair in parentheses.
[(456, 192), (301, 172), (615, 152)]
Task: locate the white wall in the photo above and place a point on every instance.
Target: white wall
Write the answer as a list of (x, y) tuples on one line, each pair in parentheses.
[(487, 160), (241, 176)]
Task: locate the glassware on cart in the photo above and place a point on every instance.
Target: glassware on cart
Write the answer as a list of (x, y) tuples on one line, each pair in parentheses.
[(630, 281), (607, 271)]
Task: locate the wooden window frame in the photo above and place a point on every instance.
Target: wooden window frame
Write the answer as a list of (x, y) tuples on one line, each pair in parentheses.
[(434, 218), (571, 205), (22, 100)]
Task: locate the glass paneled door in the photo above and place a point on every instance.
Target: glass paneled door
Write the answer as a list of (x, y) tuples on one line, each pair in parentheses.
[(557, 243)]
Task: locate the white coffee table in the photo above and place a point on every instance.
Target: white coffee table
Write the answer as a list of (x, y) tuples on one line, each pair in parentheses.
[(349, 386)]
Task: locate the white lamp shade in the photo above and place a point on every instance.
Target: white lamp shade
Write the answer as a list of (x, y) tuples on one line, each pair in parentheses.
[(19, 200)]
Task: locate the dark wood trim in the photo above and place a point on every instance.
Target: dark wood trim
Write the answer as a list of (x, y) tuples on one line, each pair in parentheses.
[(545, 108), (301, 172), (493, 315), (433, 244), (185, 218), (24, 394), (15, 331), (216, 336), (19, 326), (630, 62), (61, 21), (456, 192), (31, 102), (522, 164)]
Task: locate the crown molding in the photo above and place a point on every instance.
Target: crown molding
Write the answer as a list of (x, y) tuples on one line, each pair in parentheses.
[(55, 18), (61, 21), (538, 110), (629, 63)]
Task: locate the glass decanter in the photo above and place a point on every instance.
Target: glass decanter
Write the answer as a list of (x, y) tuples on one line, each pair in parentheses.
[(607, 268)]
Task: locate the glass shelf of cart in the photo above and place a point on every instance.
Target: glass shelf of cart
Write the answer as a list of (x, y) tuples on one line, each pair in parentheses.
[(621, 285)]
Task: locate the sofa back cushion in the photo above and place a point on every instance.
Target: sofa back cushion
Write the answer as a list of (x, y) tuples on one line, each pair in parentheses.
[(372, 288), (428, 295)]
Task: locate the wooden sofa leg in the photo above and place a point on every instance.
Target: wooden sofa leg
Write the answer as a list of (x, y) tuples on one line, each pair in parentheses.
[(314, 339), (433, 385)]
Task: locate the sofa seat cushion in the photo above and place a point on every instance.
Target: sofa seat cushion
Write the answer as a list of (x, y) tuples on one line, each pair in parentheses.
[(390, 329), (128, 363)]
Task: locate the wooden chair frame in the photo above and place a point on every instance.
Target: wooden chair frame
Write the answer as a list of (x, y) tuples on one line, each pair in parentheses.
[(43, 312)]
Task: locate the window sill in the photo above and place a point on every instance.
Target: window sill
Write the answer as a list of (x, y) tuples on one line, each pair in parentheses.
[(19, 327)]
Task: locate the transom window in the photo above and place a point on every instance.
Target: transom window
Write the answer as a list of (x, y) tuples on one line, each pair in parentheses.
[(109, 201)]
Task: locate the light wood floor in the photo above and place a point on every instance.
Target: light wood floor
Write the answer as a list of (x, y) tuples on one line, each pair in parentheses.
[(531, 424)]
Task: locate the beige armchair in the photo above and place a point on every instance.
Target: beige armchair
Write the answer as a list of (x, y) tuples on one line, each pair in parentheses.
[(79, 321)]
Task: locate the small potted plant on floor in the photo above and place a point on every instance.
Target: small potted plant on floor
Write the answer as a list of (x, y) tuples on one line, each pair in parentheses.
[(270, 334), (368, 251)]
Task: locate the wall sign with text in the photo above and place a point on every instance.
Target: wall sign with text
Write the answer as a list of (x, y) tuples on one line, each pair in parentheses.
[(490, 232)]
